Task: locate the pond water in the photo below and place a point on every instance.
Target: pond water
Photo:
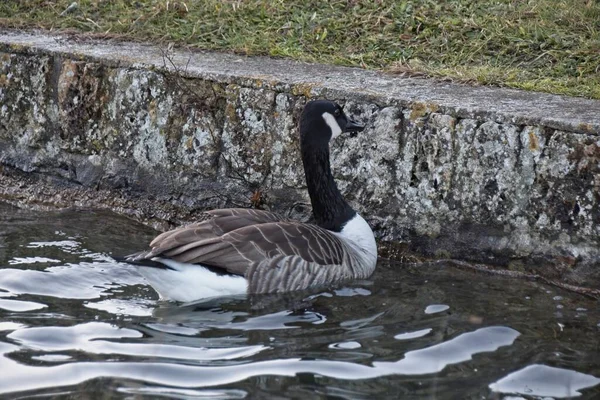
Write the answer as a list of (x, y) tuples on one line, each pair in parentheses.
[(74, 324)]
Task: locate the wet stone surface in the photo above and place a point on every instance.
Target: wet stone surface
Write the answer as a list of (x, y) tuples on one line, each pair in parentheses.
[(502, 186)]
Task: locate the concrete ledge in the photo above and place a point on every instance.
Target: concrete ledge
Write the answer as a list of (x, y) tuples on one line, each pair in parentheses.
[(493, 175)]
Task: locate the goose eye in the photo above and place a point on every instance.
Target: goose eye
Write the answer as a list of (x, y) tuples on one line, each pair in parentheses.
[(337, 112)]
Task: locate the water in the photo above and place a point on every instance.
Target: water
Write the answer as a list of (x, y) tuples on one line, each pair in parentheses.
[(75, 324)]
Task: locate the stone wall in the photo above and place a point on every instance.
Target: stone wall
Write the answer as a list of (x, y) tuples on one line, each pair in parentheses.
[(494, 175)]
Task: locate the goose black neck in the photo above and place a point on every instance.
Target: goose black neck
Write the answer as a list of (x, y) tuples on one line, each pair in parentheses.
[(330, 210)]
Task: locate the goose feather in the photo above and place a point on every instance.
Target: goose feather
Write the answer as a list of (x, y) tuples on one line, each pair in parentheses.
[(256, 244)]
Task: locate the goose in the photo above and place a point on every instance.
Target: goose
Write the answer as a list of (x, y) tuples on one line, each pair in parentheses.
[(248, 251)]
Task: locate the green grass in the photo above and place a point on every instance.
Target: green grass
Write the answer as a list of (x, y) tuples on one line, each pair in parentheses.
[(544, 45)]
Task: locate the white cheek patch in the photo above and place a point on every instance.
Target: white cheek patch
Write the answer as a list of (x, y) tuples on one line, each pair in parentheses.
[(333, 125)]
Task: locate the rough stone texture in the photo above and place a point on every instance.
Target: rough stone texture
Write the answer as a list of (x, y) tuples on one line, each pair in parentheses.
[(502, 176)]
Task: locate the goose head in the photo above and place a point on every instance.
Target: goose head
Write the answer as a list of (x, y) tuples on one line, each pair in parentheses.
[(322, 121)]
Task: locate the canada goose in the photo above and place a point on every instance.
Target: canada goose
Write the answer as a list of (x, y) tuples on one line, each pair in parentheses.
[(235, 251)]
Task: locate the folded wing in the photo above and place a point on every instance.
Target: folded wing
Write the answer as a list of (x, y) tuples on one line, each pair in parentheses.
[(274, 254)]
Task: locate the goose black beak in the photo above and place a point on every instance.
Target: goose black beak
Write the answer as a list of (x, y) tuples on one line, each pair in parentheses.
[(353, 126)]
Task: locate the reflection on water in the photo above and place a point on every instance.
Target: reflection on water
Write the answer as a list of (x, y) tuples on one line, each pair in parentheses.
[(75, 323), (542, 380)]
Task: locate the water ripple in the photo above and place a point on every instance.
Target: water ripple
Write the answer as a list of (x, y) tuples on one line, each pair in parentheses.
[(73, 322), (212, 394), (20, 306), (542, 380), (86, 337), (80, 281), (412, 335), (425, 361)]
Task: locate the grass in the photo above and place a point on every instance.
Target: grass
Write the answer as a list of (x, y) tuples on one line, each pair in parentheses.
[(543, 45)]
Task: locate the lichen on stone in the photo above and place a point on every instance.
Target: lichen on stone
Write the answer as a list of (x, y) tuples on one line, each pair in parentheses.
[(476, 187)]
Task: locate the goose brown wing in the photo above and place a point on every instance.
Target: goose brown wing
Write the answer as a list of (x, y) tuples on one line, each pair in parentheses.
[(216, 223), (213, 224), (311, 243), (261, 244)]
